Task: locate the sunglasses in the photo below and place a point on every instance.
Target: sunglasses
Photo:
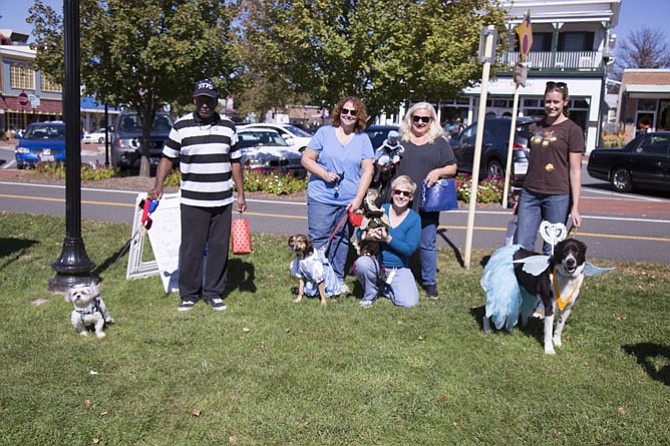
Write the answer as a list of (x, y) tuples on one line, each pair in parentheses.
[(560, 85), (346, 111), (424, 119), (404, 193)]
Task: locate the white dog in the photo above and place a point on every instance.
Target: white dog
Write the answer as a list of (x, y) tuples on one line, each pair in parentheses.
[(89, 309)]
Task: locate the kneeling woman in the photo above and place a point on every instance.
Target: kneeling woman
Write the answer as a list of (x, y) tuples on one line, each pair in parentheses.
[(396, 246)]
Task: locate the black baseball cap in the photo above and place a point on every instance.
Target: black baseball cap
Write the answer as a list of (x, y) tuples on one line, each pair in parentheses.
[(205, 87)]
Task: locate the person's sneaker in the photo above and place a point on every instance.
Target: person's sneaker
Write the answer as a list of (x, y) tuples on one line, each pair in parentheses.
[(431, 291), (185, 305), (365, 303), (344, 290), (217, 304)]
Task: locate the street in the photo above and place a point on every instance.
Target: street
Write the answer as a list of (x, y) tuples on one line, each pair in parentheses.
[(616, 226)]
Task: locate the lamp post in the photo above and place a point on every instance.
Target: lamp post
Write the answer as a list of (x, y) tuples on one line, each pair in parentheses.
[(73, 266)]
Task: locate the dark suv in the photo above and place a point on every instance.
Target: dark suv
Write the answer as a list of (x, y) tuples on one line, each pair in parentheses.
[(127, 141), (494, 148)]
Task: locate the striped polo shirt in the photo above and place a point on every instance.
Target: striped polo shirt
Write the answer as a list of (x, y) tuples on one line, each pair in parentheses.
[(205, 151)]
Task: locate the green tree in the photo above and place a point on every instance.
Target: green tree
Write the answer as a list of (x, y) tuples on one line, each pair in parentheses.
[(144, 54), (384, 53)]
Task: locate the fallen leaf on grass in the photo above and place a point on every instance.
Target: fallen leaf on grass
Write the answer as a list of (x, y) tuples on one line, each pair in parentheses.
[(104, 414), (196, 412), (621, 410), (555, 432), (420, 338), (96, 440), (442, 398), (232, 439), (87, 403), (245, 330), (288, 330)]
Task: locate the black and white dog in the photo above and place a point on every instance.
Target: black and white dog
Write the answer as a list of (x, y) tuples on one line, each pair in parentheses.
[(515, 279)]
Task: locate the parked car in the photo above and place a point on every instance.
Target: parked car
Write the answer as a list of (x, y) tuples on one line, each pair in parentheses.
[(642, 163), (494, 148), (95, 137), (378, 133), (264, 148), (127, 140), (294, 136), (42, 142)]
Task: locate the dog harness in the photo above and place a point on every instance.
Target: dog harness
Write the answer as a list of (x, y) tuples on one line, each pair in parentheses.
[(560, 300), (91, 310)]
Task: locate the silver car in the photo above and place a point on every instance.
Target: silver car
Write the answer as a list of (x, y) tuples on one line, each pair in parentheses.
[(266, 149)]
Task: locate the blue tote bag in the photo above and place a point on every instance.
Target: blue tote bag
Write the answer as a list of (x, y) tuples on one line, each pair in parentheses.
[(440, 197)]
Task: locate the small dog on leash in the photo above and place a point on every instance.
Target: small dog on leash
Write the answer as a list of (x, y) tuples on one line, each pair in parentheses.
[(313, 269), (515, 279), (89, 309)]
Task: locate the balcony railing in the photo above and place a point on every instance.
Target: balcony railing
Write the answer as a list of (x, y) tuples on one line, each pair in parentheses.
[(559, 61)]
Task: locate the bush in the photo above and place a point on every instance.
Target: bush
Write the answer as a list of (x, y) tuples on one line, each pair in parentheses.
[(259, 180), (490, 190), (614, 139), (273, 182), (89, 171)]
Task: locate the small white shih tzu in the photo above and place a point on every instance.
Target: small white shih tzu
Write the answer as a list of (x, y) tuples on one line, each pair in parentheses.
[(89, 309)]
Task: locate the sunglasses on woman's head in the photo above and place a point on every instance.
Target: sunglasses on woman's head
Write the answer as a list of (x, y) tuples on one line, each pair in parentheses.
[(347, 111), (559, 85), (404, 193), (424, 119)]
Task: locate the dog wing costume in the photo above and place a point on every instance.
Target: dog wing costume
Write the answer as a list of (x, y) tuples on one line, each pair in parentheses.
[(505, 298), (315, 269)]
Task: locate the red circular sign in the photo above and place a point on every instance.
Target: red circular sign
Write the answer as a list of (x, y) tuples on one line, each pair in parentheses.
[(23, 98)]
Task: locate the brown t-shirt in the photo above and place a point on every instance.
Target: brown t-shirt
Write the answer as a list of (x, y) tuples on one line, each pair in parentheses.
[(550, 147)]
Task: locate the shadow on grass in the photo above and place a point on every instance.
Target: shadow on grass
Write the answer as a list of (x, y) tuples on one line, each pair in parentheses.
[(650, 355), (534, 328), (457, 254), (241, 275), (13, 248)]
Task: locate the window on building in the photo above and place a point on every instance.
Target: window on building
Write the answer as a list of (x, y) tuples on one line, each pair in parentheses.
[(21, 77), (48, 85), (575, 41), (541, 42)]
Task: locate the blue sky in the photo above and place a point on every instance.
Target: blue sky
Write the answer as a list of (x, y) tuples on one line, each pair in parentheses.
[(634, 14)]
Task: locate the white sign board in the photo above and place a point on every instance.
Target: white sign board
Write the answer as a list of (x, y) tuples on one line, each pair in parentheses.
[(164, 236)]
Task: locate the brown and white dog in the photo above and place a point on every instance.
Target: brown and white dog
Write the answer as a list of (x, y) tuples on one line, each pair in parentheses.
[(515, 279), (313, 269)]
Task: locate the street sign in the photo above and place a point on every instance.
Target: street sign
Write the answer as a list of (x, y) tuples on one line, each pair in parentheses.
[(525, 32), (34, 100), (23, 98), (520, 74)]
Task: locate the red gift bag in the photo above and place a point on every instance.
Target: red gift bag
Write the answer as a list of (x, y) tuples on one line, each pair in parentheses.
[(240, 237)]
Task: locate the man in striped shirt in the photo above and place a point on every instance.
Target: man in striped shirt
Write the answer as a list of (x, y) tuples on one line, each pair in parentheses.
[(205, 144)]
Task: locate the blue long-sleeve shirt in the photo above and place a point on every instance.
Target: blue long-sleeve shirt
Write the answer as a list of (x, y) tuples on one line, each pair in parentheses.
[(404, 240)]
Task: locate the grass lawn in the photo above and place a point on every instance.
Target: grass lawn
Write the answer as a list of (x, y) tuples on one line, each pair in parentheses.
[(269, 372)]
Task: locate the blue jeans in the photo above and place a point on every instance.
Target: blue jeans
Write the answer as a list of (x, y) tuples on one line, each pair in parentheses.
[(535, 208), (428, 247), (321, 220), (402, 290)]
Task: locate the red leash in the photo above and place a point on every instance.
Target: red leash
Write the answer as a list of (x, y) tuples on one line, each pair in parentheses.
[(337, 228)]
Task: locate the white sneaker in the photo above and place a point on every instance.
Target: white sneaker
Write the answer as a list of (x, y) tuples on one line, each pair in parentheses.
[(365, 303), (217, 304), (344, 289)]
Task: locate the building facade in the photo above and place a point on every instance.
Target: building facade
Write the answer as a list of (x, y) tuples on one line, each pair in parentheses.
[(572, 43), (26, 95), (644, 101)]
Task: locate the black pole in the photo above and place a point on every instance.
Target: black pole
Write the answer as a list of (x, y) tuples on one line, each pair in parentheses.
[(106, 136), (73, 266)]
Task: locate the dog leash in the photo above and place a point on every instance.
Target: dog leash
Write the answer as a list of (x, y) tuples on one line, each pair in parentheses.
[(337, 228)]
